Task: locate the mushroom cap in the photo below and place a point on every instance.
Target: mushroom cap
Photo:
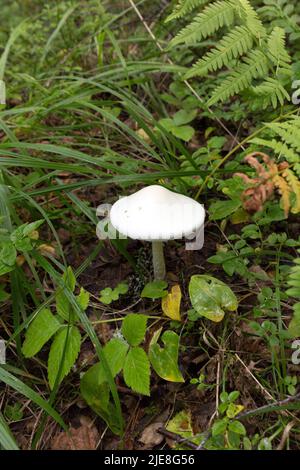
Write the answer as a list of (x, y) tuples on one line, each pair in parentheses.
[(154, 213)]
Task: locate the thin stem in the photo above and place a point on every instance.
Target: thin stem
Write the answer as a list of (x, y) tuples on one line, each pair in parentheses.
[(158, 260)]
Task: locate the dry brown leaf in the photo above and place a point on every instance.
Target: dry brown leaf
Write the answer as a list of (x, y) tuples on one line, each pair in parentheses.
[(82, 438), (150, 437), (269, 178)]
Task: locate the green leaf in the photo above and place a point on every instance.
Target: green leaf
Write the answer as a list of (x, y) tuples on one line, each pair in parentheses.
[(63, 354), (155, 290), (184, 117), (183, 132), (122, 288), (134, 328), (40, 330), (7, 440), (137, 371), (94, 387), (210, 297), (108, 295), (181, 424), (219, 427), (221, 209), (164, 360), (237, 428), (83, 299), (62, 303), (8, 253)]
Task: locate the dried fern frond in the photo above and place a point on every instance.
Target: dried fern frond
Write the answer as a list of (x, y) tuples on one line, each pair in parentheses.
[(270, 177)]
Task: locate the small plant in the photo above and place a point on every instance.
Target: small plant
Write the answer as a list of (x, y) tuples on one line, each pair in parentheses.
[(124, 353), (23, 240), (109, 295), (63, 327), (200, 382), (227, 431)]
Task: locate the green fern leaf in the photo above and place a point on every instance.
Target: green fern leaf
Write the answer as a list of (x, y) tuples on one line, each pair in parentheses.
[(213, 17), (255, 65), (231, 46), (280, 148), (184, 7), (288, 132), (251, 19), (277, 51), (272, 92)]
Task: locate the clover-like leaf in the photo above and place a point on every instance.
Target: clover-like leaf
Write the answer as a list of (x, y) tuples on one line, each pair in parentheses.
[(211, 297)]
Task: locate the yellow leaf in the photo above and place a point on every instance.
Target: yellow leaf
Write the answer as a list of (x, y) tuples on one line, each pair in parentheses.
[(239, 216), (171, 303), (295, 185), (285, 191)]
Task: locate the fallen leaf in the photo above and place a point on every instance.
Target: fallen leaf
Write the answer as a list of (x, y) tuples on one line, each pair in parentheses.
[(171, 303), (82, 438), (150, 437)]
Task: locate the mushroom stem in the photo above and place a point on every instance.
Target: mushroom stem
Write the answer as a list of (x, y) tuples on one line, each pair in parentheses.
[(158, 260)]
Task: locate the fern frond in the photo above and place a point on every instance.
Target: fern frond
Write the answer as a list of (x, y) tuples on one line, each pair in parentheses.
[(250, 17), (184, 7), (231, 46), (272, 92), (277, 51), (288, 131), (213, 17), (255, 65), (280, 148)]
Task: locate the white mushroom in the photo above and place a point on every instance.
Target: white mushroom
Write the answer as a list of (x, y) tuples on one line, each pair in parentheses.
[(156, 214)]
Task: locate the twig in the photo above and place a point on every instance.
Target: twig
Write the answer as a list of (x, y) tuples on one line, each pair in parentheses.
[(177, 438)]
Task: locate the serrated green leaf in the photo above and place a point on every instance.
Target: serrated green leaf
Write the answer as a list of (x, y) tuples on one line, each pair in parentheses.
[(164, 360), (83, 299), (63, 353), (211, 297), (134, 328), (40, 330), (137, 371)]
